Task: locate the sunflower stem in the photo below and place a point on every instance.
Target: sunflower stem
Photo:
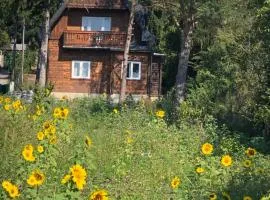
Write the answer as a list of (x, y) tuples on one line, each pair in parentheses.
[(37, 191)]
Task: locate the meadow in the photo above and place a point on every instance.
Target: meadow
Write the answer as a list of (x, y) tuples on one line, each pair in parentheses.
[(91, 149)]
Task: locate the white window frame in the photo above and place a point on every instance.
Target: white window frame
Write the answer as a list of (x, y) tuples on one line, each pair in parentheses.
[(131, 69), (81, 69), (87, 17)]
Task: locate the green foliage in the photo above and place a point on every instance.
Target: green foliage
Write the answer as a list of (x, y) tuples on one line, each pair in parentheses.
[(231, 72), (29, 61), (85, 108), (4, 39), (133, 154), (41, 94)]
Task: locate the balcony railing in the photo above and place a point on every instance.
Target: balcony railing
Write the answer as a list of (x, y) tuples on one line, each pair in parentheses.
[(110, 4), (86, 39)]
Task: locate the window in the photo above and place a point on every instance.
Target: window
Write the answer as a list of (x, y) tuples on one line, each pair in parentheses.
[(81, 69), (134, 70), (96, 23)]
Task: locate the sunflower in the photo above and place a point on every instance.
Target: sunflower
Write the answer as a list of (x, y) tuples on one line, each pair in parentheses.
[(65, 111), (80, 184), (6, 185), (129, 140), (213, 196), (28, 153), (52, 129), (226, 160), (56, 112), (53, 140), (40, 149), (160, 114), (99, 195), (64, 97), (247, 198), (247, 163), (175, 182), (61, 113), (207, 148), (40, 136), (226, 196), (13, 191), (46, 125), (88, 141), (31, 181), (115, 111), (66, 179), (250, 152), (38, 112), (17, 105), (260, 170), (29, 147), (34, 117), (7, 107), (36, 178), (7, 100), (50, 132), (79, 175), (200, 170)]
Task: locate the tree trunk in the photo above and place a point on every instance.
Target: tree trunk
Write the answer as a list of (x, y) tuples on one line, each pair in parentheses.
[(126, 52), (186, 45), (43, 60)]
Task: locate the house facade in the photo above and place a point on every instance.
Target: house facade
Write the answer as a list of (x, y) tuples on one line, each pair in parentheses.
[(86, 47)]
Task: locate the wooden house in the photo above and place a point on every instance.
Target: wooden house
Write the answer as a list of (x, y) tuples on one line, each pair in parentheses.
[(86, 47)]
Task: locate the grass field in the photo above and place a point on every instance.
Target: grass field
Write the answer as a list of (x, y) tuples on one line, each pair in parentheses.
[(89, 149)]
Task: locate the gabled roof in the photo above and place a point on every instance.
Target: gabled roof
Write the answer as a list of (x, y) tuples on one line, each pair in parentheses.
[(58, 13), (87, 4), (103, 4)]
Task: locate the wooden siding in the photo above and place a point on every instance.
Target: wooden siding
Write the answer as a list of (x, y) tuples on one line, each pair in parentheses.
[(133, 86), (105, 71), (94, 39), (58, 29)]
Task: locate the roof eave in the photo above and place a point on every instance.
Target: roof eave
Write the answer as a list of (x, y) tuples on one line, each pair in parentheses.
[(58, 14)]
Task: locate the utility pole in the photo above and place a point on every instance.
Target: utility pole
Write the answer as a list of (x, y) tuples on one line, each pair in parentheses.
[(12, 82), (23, 37)]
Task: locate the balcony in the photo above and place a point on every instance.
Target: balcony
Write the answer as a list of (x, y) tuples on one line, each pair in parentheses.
[(87, 39), (103, 4)]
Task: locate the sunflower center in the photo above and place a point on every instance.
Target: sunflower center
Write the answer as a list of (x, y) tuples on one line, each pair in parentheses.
[(251, 152), (98, 197), (38, 177)]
